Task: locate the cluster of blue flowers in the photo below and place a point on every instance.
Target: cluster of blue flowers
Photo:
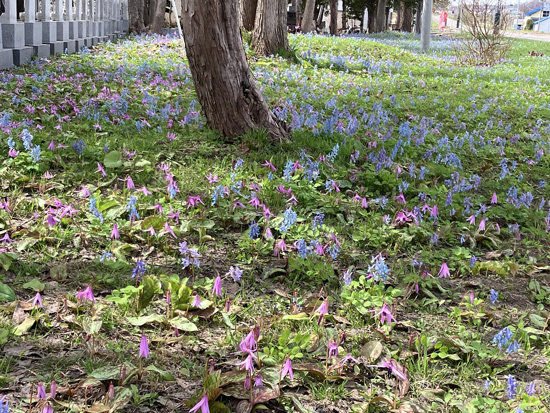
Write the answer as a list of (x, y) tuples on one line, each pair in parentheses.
[(188, 256), (131, 207), (502, 339)]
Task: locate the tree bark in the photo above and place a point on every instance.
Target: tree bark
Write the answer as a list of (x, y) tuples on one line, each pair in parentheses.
[(334, 17), (307, 19), (158, 17), (226, 89), (344, 17), (380, 24), (248, 13), (269, 35), (371, 19), (418, 19), (136, 9), (406, 18)]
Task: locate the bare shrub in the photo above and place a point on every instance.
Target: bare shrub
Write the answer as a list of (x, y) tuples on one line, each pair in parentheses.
[(485, 42)]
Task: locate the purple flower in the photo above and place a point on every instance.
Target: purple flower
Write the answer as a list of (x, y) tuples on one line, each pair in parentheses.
[(349, 358), (444, 271), (114, 232), (393, 366), (35, 300), (530, 389), (247, 382), (494, 199), (235, 273), (247, 364), (144, 347), (196, 301), (217, 289), (87, 294), (384, 313), (287, 370), (202, 404), (258, 381), (41, 391), (322, 310), (332, 349)]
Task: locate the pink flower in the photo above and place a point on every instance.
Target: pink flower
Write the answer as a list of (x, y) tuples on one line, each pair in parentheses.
[(434, 211), (269, 164), (144, 347), (151, 231), (51, 220), (84, 192), (494, 199), (87, 294), (41, 391), (144, 190), (471, 219), (130, 183), (268, 234), (169, 230), (258, 381), (100, 169), (247, 364), (196, 301), (482, 225), (217, 289), (212, 178), (202, 404), (322, 310), (444, 271), (114, 232), (384, 313), (36, 300), (51, 146), (394, 367), (13, 153), (400, 199), (287, 370)]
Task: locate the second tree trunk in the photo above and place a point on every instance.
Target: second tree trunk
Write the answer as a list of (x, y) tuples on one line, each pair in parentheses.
[(270, 34)]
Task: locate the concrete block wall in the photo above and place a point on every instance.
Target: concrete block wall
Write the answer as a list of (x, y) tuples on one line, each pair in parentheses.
[(46, 27)]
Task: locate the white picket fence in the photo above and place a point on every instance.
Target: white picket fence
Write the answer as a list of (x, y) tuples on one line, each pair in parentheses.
[(45, 27)]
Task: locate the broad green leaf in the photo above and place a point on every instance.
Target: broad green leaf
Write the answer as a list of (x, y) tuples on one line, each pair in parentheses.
[(24, 326), (183, 324), (146, 319), (113, 160), (112, 372), (6, 293), (164, 375), (35, 285)]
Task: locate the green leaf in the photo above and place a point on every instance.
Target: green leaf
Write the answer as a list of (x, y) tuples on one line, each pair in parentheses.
[(164, 375), (227, 320), (35, 285), (538, 320), (146, 319), (6, 259), (6, 293), (212, 381), (183, 324), (298, 317), (92, 325), (106, 373), (113, 160), (24, 326), (4, 335)]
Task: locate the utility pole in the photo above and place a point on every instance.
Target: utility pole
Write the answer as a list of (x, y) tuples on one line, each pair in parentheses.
[(426, 25)]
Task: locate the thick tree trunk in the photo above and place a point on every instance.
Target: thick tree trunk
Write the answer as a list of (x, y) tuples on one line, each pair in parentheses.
[(270, 34), (136, 9), (158, 17), (307, 20), (334, 17), (406, 19), (371, 19), (226, 89), (380, 24), (248, 13)]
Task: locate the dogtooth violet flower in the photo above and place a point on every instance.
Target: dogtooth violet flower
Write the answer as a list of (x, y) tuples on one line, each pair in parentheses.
[(202, 404), (287, 370), (217, 289), (144, 347), (87, 294)]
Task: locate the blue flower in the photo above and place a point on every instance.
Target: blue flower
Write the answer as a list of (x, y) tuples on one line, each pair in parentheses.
[(511, 387), (502, 338), (139, 270), (493, 296), (254, 230), (513, 347)]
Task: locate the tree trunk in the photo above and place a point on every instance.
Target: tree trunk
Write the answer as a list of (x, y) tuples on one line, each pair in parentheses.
[(334, 17), (270, 34), (371, 19), (136, 9), (407, 18), (158, 17), (381, 16), (418, 19), (226, 90), (344, 17), (248, 13), (307, 19), (399, 17)]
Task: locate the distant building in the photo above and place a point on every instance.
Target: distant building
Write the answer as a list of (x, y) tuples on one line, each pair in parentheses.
[(540, 17)]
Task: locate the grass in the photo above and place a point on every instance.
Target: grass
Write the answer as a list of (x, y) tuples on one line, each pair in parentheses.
[(395, 160)]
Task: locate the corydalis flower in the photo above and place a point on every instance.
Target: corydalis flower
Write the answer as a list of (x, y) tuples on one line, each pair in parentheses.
[(235, 273), (144, 347)]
